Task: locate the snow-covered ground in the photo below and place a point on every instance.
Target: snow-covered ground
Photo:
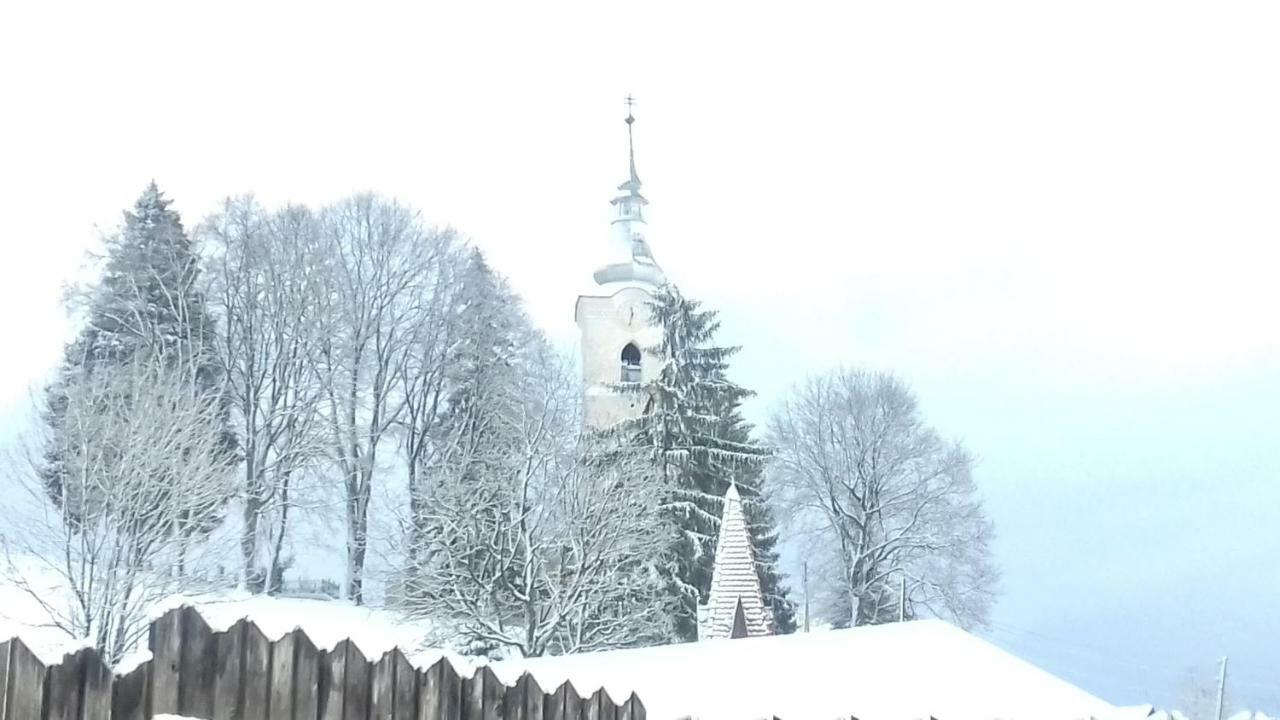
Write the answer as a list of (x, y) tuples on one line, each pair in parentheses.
[(907, 670)]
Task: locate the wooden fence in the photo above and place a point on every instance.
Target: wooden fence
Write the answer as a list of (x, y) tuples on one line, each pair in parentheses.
[(240, 675)]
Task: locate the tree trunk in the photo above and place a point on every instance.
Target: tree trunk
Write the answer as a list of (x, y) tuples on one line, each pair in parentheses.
[(417, 538), (253, 504), (275, 575), (358, 535)]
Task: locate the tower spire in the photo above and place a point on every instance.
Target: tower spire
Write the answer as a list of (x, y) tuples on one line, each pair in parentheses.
[(631, 142), (629, 258)]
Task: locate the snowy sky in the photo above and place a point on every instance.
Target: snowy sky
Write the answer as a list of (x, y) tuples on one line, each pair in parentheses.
[(1057, 221)]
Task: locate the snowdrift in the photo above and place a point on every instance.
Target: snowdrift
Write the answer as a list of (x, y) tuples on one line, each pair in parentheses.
[(887, 672)]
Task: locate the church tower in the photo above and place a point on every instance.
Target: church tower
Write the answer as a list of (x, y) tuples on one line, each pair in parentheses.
[(613, 317)]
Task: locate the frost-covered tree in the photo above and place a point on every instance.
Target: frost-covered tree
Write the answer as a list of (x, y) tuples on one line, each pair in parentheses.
[(443, 337), (378, 261), (267, 275), (148, 307), (142, 460), (888, 501), (543, 540), (462, 384), (692, 426)]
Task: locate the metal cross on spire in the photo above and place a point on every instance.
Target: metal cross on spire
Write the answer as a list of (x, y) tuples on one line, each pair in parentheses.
[(634, 182)]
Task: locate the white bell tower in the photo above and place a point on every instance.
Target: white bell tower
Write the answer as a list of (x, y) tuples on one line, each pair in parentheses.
[(613, 318)]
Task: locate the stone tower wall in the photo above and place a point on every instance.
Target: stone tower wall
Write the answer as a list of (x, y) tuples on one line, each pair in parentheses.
[(606, 324)]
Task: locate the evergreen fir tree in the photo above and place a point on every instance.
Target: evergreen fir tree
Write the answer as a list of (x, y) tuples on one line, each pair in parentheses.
[(492, 334), (147, 308), (700, 443)]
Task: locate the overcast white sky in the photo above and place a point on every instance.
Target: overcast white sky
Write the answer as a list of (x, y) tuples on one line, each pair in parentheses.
[(1058, 221)]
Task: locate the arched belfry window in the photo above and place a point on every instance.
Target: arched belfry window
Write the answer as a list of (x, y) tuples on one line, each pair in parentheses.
[(631, 363)]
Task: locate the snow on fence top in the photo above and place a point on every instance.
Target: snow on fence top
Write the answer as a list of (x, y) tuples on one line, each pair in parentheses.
[(239, 673)]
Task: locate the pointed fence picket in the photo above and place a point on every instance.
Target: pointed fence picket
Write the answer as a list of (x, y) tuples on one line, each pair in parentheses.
[(238, 674)]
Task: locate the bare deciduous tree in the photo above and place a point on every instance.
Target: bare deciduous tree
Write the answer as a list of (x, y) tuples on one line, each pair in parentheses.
[(547, 541), (426, 383), (892, 504), (379, 270), (142, 461), (266, 282)]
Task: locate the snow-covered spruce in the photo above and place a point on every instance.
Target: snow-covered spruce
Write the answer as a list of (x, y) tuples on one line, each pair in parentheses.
[(693, 428), (136, 450)]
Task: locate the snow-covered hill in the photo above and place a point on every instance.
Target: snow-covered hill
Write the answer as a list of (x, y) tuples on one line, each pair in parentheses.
[(904, 670)]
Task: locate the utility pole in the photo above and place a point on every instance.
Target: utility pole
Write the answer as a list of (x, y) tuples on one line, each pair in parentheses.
[(1222, 686), (806, 596)]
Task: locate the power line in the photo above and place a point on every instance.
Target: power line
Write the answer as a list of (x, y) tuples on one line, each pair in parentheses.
[(1105, 657)]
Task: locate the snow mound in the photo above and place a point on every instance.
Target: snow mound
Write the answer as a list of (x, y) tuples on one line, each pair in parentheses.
[(327, 622), (887, 672)]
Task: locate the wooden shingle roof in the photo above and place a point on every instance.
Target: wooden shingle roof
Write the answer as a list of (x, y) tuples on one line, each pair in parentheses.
[(734, 581)]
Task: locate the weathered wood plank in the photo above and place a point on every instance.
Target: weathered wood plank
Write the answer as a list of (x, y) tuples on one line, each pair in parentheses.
[(165, 642), (4, 675), (355, 682), (406, 687), (482, 695), (129, 696), (25, 695), (63, 681), (564, 704), (439, 692), (332, 674), (96, 681), (306, 674), (394, 690), (197, 667), (525, 700), (601, 706), (473, 697), (256, 674), (632, 709), (382, 701), (228, 676), (280, 702)]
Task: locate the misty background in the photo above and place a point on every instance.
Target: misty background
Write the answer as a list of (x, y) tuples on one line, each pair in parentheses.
[(1057, 223)]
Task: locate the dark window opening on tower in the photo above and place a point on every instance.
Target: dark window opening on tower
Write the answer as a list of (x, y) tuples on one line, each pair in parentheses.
[(631, 363)]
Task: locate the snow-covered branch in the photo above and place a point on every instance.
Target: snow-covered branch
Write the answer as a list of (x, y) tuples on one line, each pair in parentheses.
[(897, 505), (142, 469)]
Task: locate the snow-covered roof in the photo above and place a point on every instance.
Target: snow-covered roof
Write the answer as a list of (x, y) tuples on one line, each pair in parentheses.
[(887, 672), (635, 269), (734, 581)]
